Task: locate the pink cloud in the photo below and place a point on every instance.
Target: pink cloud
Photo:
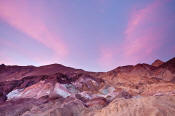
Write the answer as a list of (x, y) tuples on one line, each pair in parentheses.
[(18, 16), (143, 36), (138, 17)]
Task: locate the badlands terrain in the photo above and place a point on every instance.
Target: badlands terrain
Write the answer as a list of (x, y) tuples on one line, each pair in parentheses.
[(57, 90)]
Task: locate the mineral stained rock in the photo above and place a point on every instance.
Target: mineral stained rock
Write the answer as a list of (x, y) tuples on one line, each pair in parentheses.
[(57, 90)]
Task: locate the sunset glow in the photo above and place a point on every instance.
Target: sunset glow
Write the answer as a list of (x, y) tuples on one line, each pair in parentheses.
[(95, 35)]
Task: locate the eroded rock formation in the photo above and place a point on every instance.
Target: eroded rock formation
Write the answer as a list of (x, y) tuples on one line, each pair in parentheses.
[(56, 90)]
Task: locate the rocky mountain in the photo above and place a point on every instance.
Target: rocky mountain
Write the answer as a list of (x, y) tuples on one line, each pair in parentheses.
[(157, 63), (57, 90)]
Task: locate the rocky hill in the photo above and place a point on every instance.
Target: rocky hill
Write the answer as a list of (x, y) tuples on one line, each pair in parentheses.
[(57, 90), (157, 63)]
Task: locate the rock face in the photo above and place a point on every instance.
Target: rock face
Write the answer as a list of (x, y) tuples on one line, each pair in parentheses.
[(141, 106), (157, 63), (56, 90)]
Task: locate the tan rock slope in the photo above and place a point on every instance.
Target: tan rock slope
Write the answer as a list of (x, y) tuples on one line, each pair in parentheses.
[(57, 90), (141, 106)]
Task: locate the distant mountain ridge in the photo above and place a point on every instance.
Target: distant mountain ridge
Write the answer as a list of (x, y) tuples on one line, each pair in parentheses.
[(22, 71)]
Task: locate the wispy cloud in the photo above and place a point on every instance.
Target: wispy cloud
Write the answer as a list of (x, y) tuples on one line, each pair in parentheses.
[(18, 16), (143, 36)]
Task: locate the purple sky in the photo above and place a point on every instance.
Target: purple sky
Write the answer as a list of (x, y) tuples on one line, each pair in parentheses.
[(95, 35)]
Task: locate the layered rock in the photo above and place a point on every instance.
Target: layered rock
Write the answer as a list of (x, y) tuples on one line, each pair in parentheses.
[(140, 106), (56, 90)]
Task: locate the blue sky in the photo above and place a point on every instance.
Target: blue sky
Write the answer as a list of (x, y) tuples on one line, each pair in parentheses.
[(95, 35)]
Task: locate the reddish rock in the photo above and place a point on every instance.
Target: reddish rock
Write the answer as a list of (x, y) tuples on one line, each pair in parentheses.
[(157, 63), (99, 102), (58, 90)]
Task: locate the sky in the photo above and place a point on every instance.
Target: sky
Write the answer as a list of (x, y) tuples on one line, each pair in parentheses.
[(94, 35)]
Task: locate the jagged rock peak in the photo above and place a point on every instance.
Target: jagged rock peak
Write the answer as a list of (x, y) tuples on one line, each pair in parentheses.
[(157, 63)]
